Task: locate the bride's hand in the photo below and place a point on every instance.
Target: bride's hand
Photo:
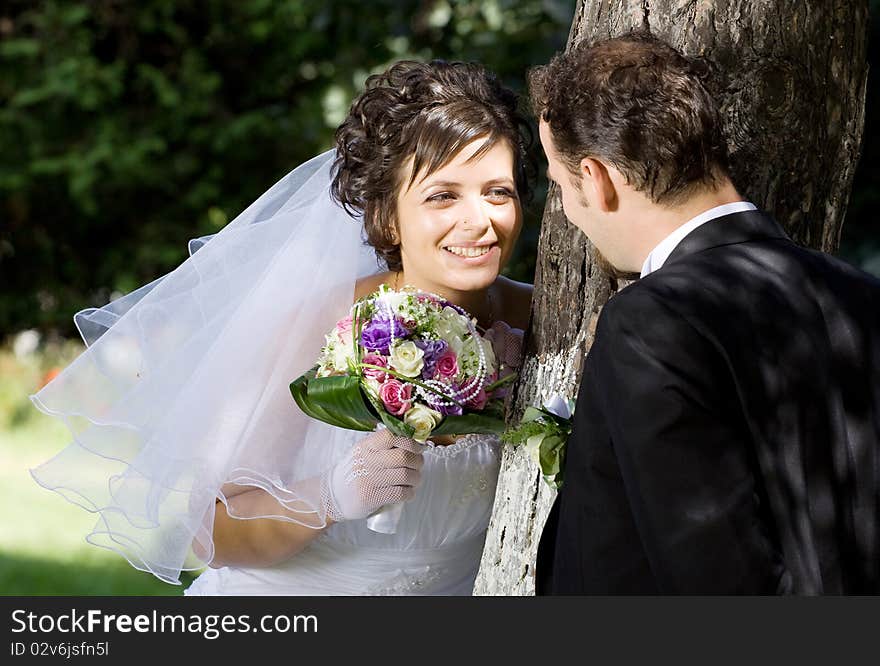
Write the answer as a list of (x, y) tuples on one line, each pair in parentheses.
[(380, 469), (507, 344)]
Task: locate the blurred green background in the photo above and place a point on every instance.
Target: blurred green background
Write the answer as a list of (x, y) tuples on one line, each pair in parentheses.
[(127, 128)]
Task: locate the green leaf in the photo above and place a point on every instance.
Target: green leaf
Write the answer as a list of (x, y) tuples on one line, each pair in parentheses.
[(522, 432), (532, 414), (334, 400), (501, 382), (549, 454), (467, 424)]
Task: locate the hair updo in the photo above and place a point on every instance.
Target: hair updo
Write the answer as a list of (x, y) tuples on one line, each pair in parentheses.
[(428, 111)]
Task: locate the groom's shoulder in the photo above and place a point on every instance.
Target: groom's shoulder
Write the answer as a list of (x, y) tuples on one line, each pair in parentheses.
[(638, 303), (648, 309)]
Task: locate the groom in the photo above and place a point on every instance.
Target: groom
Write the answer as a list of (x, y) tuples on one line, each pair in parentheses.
[(726, 431)]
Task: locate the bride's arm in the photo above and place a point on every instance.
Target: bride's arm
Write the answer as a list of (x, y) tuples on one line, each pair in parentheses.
[(259, 542), (378, 470)]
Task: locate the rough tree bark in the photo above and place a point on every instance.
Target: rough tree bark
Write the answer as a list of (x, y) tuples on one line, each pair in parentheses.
[(793, 103)]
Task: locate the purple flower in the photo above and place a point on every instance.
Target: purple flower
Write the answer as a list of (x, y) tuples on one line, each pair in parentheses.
[(433, 349), (376, 336)]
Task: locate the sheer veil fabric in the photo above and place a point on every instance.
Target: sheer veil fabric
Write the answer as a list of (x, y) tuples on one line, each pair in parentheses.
[(181, 395)]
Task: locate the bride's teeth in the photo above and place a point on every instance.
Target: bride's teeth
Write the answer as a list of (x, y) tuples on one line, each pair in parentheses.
[(469, 251)]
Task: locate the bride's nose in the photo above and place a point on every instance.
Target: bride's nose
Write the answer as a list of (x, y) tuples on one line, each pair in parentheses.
[(476, 216)]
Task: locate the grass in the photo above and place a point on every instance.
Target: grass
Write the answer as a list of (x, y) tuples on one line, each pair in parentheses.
[(42, 546)]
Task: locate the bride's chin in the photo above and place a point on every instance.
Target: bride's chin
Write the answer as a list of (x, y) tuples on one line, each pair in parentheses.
[(478, 284)]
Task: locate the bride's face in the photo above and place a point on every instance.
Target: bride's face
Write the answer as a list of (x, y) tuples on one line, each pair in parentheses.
[(459, 224)]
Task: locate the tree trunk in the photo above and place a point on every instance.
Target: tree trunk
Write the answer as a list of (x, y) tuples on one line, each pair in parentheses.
[(793, 105)]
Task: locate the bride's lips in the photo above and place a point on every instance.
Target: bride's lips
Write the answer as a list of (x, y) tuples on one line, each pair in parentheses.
[(491, 255)]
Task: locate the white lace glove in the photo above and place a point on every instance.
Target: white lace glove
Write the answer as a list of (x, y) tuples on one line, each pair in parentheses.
[(379, 470), (507, 344)]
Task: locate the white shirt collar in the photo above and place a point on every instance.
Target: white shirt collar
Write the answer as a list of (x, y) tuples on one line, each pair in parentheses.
[(658, 256)]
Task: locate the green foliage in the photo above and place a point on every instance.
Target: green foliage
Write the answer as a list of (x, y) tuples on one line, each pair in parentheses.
[(543, 434), (335, 400), (128, 128)]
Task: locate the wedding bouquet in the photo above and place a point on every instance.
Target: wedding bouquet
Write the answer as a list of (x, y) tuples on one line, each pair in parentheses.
[(409, 360)]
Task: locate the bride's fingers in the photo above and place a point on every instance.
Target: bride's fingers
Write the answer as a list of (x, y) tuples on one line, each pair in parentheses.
[(410, 445), (385, 439), (397, 457), (380, 440), (402, 476)]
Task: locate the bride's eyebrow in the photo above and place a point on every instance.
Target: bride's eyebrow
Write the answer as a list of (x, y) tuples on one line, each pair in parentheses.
[(500, 181), (440, 183), (453, 184)]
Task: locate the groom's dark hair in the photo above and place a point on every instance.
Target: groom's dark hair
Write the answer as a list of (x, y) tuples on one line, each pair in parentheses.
[(638, 104)]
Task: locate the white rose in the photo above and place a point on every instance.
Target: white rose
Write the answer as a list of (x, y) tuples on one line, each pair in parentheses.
[(469, 355), (489, 353), (533, 447), (343, 355), (423, 420), (452, 325), (393, 299), (455, 343), (407, 359)]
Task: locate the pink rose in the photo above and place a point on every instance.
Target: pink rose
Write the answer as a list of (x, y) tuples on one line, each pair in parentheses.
[(375, 359), (447, 365), (479, 401), (396, 396), (343, 330)]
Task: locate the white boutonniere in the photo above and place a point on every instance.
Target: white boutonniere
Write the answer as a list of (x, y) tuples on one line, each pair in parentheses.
[(543, 431)]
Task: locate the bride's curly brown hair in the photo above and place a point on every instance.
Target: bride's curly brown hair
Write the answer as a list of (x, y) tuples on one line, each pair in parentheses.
[(427, 111)]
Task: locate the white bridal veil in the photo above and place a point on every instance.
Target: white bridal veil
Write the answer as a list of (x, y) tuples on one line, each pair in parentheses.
[(183, 387)]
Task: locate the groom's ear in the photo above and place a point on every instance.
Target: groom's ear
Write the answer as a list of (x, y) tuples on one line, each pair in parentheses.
[(596, 179)]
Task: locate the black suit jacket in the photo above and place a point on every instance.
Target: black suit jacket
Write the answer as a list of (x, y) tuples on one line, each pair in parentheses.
[(726, 432)]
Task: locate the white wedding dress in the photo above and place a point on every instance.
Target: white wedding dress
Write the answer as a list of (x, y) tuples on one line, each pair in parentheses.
[(436, 549)]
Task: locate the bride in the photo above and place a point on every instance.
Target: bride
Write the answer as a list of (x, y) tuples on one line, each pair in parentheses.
[(187, 443)]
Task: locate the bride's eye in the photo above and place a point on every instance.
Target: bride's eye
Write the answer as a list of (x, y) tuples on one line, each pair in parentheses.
[(441, 198), (500, 195)]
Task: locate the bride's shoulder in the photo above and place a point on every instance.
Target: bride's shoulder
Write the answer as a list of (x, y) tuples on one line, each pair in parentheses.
[(367, 285), (516, 298)]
